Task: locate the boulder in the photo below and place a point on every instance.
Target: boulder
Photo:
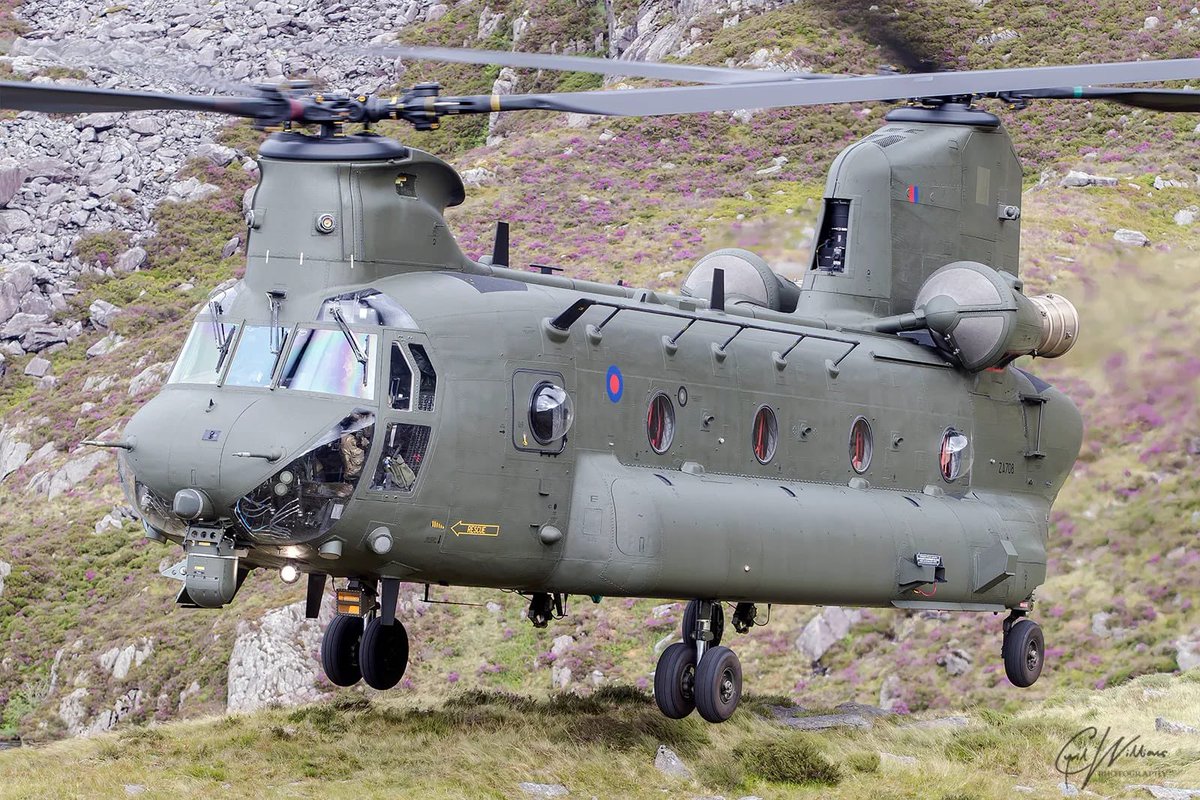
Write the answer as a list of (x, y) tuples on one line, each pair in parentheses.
[(131, 259), (1131, 237), (668, 763), (37, 367), (13, 453), (1186, 216), (956, 661), (74, 471), (190, 189), (231, 247), (272, 660), (1187, 652), (119, 660), (101, 313), (1078, 179), (218, 154), (824, 631), (5, 571), (12, 175), (150, 377), (543, 789)]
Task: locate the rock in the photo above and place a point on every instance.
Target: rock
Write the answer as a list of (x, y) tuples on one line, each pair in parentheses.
[(131, 259), (97, 122), (1166, 792), (37, 367), (956, 661), (105, 346), (5, 571), (145, 126), (72, 712), (118, 661), (148, 378), (1150, 23), (561, 644), (101, 313), (1187, 652), (190, 189), (73, 472), (231, 247), (1175, 728), (824, 631), (489, 22), (543, 789), (272, 659), (893, 760), (996, 36), (436, 12), (795, 719), (1186, 216), (14, 220), (1080, 179), (1168, 183), (107, 523), (955, 721), (666, 762), (477, 176), (1131, 237), (863, 709), (12, 175), (665, 642), (1068, 789), (216, 153), (134, 789), (13, 454)]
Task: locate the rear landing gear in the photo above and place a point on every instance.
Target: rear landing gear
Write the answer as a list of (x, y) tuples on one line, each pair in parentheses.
[(1024, 650), (697, 673)]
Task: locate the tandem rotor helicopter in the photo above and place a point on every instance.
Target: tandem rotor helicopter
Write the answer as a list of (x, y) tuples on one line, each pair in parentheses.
[(371, 406)]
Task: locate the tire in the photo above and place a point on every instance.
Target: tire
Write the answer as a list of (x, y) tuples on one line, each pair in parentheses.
[(383, 654), (1024, 652), (689, 622), (718, 684), (339, 650), (675, 680)]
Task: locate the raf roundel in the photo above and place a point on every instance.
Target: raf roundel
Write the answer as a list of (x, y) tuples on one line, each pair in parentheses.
[(614, 384)]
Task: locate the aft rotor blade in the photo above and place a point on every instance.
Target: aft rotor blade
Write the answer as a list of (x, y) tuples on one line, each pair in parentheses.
[(779, 94), (52, 98), (599, 66), (1153, 99)]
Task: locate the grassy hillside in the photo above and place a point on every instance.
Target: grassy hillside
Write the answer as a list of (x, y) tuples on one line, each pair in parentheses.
[(487, 744), (634, 199)]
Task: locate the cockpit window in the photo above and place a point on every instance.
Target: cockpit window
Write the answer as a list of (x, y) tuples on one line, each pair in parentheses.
[(255, 357), (428, 378), (400, 381), (368, 307), (204, 353), (324, 361)]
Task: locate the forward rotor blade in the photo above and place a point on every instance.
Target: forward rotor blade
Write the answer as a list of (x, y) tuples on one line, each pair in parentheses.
[(56, 99), (1154, 99), (599, 66), (778, 94)]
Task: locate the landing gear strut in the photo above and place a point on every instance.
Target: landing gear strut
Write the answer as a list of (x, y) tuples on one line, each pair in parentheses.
[(362, 643), (1023, 649), (698, 673)]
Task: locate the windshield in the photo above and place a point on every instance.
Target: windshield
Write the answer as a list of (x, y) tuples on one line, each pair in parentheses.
[(253, 362), (323, 361), (201, 360)]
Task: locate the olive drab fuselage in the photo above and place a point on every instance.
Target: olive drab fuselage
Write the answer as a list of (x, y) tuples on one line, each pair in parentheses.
[(378, 422)]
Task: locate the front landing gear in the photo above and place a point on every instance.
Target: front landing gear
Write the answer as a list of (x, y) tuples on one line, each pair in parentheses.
[(697, 673), (364, 641), (383, 654), (1024, 650), (339, 650)]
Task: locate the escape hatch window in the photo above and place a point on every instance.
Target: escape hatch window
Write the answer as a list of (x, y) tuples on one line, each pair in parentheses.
[(955, 455), (401, 459), (660, 423), (861, 445), (765, 434), (400, 379), (323, 361), (427, 378)]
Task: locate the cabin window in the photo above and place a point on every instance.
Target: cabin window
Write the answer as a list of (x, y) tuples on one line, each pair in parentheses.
[(257, 354), (204, 353), (765, 437), (830, 253), (861, 445), (955, 455), (427, 380), (660, 423), (324, 361), (550, 413), (400, 379)]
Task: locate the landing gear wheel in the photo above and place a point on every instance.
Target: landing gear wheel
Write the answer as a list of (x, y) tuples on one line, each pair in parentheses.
[(339, 650), (718, 684), (689, 622), (383, 654), (1024, 650), (675, 680)]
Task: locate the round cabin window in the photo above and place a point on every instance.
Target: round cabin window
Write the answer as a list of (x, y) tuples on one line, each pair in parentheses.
[(550, 412), (660, 423), (955, 456), (861, 445), (766, 435)]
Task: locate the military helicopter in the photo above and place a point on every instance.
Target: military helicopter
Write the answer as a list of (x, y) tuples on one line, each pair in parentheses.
[(370, 405)]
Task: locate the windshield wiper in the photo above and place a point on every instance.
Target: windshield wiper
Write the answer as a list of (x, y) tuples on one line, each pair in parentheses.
[(336, 313), (219, 333)]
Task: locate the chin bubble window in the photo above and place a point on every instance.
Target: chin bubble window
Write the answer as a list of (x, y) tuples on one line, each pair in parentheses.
[(660, 423), (550, 413), (861, 445), (765, 434), (955, 456)]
